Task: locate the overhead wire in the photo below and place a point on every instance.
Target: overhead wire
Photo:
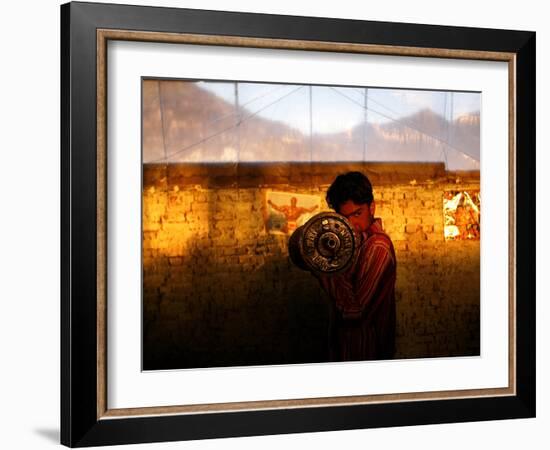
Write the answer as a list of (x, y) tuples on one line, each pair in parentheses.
[(405, 124), (225, 129), (416, 129), (365, 107)]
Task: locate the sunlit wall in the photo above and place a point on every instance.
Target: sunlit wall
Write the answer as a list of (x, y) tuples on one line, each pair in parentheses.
[(220, 290)]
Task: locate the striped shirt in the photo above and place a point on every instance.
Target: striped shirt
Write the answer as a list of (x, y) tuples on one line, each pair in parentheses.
[(363, 300)]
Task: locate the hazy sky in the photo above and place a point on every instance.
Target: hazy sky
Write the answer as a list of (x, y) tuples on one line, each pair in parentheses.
[(336, 109), (198, 121)]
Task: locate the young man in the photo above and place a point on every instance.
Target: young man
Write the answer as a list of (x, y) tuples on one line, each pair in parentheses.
[(363, 298)]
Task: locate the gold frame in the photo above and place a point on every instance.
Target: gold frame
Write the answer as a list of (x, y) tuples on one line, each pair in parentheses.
[(103, 36)]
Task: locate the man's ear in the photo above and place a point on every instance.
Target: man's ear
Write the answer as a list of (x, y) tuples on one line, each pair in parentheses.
[(372, 208)]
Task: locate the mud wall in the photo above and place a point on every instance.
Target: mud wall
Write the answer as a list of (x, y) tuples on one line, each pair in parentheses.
[(219, 290)]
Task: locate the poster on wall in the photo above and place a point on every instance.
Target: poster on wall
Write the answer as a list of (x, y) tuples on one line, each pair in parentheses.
[(462, 211), (287, 211)]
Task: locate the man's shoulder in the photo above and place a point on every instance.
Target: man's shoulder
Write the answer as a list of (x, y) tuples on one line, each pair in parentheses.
[(380, 238), (378, 247)]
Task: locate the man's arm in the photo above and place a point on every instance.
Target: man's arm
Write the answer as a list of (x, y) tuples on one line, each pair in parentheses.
[(354, 297), (276, 207), (313, 208)]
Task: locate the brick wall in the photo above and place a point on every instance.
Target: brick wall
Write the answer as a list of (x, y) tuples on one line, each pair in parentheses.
[(218, 290)]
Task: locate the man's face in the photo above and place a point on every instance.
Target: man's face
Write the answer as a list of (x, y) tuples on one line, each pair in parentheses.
[(359, 215)]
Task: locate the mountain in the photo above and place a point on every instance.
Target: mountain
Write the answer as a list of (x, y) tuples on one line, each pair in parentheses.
[(197, 125)]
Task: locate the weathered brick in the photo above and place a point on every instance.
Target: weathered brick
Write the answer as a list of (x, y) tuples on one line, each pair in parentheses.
[(411, 229), (413, 221), (208, 257)]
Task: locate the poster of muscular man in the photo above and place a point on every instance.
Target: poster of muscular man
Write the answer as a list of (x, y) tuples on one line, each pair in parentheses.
[(286, 211)]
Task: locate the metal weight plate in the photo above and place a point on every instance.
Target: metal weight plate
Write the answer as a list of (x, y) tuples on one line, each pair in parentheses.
[(324, 244)]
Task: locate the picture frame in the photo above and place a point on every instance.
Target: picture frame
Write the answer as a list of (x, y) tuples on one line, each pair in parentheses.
[(86, 418)]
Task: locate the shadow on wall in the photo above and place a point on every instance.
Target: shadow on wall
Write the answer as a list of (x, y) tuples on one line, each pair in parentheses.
[(438, 303), (228, 295)]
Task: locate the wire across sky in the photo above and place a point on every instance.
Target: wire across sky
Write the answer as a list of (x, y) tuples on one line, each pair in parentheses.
[(370, 123)]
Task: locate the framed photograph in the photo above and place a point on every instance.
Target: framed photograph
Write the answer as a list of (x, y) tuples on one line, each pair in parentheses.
[(279, 224)]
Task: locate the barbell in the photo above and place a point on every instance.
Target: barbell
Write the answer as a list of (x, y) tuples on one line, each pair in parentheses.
[(325, 244)]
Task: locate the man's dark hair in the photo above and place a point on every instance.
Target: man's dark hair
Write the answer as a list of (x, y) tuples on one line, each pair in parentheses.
[(352, 186)]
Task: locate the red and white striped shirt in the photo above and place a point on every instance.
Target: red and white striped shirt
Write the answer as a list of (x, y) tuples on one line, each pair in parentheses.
[(363, 325)]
